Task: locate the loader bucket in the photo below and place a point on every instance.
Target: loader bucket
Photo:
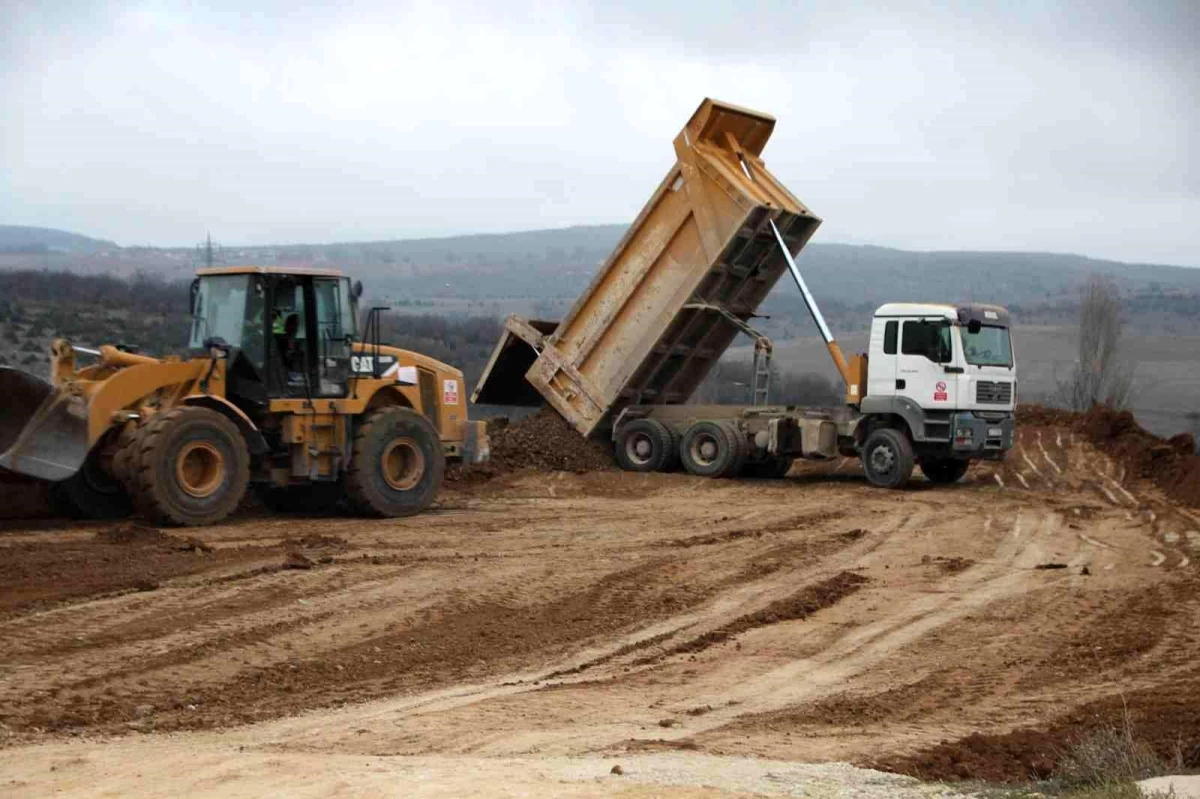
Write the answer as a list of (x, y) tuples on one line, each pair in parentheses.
[(43, 433)]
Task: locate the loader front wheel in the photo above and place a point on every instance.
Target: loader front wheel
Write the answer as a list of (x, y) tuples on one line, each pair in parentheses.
[(397, 465), (91, 493), (192, 467)]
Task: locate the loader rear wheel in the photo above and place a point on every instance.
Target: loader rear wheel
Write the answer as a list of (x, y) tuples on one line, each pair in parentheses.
[(192, 467), (708, 449), (644, 445), (397, 465), (887, 458), (91, 493), (944, 470), (314, 498)]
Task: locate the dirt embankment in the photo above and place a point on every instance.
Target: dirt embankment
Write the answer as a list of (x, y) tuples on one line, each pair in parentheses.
[(1170, 463)]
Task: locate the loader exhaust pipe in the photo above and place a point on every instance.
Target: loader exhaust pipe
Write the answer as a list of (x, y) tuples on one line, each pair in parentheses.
[(835, 351)]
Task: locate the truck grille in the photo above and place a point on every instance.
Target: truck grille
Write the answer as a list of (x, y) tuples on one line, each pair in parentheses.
[(990, 393)]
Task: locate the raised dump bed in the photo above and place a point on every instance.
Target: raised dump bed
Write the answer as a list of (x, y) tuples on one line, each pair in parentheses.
[(692, 268)]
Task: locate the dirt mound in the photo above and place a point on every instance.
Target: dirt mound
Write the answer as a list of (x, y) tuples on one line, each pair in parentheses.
[(543, 441)]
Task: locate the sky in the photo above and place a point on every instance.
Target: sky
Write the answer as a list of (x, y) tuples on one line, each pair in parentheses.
[(1029, 126)]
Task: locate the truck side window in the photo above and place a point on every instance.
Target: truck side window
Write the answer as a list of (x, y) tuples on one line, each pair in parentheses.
[(889, 337), (928, 339)]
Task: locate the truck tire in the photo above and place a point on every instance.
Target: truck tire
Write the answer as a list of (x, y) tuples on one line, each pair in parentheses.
[(644, 445), (91, 493), (887, 458), (397, 465), (708, 449), (671, 462), (192, 467), (944, 470), (741, 449), (310, 498)]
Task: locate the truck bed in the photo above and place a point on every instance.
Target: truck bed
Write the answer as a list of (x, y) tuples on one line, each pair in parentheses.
[(671, 298)]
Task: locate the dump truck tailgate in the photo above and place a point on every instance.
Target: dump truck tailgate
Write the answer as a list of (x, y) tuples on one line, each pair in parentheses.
[(656, 317)]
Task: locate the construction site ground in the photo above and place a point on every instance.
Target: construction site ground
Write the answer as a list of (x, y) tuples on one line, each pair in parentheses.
[(539, 628)]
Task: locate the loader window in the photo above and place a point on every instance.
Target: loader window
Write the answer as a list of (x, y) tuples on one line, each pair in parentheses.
[(220, 310), (930, 339), (334, 325)]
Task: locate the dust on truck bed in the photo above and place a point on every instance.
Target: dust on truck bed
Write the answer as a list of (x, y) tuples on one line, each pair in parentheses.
[(670, 299)]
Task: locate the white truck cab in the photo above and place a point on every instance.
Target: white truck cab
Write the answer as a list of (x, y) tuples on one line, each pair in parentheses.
[(949, 373)]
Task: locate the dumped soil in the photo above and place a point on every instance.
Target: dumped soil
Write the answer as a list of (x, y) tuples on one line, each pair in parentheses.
[(799, 605), (542, 441)]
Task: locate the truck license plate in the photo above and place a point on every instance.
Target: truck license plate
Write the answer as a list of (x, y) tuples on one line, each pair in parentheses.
[(995, 432)]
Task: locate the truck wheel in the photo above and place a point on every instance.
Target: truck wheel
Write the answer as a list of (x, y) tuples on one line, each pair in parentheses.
[(644, 445), (397, 465), (671, 461), (944, 470), (887, 458), (741, 449), (192, 467), (313, 498), (91, 493), (707, 449)]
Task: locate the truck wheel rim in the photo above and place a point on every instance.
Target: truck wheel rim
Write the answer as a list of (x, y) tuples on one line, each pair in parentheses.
[(882, 459), (704, 449), (639, 448), (199, 469), (402, 464)]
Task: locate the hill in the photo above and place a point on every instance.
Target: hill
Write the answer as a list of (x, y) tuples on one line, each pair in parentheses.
[(15, 239)]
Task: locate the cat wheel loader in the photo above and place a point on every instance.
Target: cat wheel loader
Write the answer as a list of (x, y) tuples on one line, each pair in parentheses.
[(277, 393)]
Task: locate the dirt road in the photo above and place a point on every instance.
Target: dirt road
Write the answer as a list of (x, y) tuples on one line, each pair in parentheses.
[(959, 631)]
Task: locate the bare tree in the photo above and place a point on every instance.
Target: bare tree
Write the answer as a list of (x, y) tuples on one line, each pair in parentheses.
[(1099, 375)]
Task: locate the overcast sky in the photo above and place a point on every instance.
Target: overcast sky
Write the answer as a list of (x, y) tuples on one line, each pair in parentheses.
[(1023, 127)]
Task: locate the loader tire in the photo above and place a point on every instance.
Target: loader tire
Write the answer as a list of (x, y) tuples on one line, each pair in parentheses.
[(944, 470), (91, 493), (311, 498), (397, 465), (887, 458), (644, 445), (192, 467), (124, 461), (708, 449)]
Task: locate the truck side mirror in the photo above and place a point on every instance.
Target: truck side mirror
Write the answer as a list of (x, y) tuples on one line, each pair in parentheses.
[(192, 295), (974, 326), (357, 289)]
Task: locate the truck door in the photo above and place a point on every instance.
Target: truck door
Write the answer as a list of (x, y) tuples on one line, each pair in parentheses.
[(925, 351), (881, 364)]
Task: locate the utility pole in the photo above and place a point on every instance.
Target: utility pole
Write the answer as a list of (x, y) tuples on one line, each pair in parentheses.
[(209, 254)]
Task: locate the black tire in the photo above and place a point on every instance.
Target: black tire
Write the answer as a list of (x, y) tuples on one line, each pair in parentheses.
[(192, 467), (887, 458), (771, 469), (671, 462), (707, 449), (310, 498), (741, 449), (944, 470), (398, 464), (124, 462), (644, 445), (91, 493)]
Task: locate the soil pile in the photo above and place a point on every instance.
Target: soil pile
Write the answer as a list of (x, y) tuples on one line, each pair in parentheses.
[(1171, 463), (543, 441)]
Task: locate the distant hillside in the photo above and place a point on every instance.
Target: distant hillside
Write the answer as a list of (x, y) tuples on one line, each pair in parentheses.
[(15, 239)]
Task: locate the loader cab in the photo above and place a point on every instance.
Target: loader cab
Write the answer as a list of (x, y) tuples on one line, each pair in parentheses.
[(288, 332)]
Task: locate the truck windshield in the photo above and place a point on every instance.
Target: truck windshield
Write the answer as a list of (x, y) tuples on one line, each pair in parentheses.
[(220, 310), (988, 347)]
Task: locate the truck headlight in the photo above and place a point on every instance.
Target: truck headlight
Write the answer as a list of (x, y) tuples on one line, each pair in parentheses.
[(964, 435)]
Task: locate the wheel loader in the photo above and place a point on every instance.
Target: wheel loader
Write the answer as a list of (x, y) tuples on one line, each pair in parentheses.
[(278, 393)]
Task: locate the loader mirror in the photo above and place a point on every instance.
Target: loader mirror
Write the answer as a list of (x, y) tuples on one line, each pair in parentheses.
[(192, 295), (357, 289)]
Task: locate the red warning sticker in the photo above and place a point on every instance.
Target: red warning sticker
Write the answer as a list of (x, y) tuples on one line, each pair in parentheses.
[(939, 392)]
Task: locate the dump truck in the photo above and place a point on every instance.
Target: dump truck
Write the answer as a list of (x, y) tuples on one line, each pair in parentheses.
[(936, 389), (278, 392)]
